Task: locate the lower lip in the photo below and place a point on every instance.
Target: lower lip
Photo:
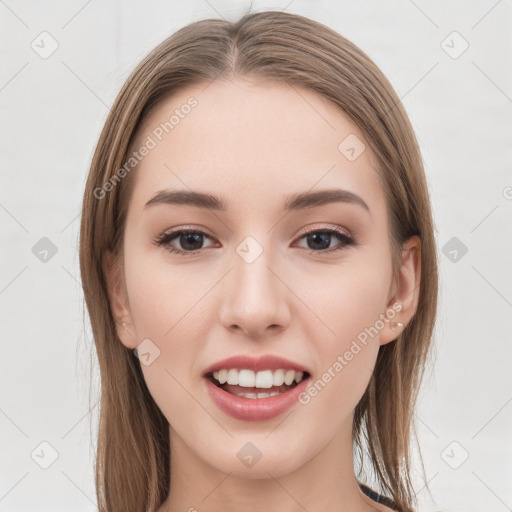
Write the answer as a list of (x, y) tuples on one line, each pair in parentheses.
[(254, 409)]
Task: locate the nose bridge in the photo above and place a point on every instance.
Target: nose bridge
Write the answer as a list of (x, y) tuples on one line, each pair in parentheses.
[(256, 298)]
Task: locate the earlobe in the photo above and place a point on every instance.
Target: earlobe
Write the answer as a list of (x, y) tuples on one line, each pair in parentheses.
[(407, 288), (118, 300)]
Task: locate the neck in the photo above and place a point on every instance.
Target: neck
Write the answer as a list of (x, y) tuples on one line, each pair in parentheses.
[(324, 482)]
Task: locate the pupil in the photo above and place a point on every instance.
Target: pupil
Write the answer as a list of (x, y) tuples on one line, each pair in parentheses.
[(191, 236), (324, 236)]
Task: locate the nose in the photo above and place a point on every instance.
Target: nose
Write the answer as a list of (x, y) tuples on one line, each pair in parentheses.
[(256, 298)]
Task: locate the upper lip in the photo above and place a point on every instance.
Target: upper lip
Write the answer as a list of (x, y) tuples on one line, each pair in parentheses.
[(265, 362)]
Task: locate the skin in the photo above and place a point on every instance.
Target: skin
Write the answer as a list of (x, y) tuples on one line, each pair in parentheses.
[(254, 144)]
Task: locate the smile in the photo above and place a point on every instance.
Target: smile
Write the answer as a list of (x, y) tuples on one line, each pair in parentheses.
[(251, 389), (256, 385)]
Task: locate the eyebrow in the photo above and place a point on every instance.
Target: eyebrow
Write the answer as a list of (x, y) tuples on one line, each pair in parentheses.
[(299, 201)]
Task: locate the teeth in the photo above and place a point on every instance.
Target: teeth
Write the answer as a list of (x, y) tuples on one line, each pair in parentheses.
[(232, 377), (263, 379), (278, 378), (258, 395), (246, 378), (289, 376)]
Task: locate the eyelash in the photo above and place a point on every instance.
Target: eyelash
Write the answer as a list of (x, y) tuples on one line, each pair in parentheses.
[(165, 239)]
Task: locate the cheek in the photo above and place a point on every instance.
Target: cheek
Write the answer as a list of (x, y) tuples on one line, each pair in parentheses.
[(345, 308), (168, 308), (342, 302), (162, 297)]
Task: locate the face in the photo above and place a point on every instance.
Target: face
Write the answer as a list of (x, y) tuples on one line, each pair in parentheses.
[(273, 275)]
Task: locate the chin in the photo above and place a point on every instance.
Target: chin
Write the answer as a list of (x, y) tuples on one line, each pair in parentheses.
[(254, 457)]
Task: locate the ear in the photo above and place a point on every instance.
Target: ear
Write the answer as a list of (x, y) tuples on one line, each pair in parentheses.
[(118, 299), (405, 291)]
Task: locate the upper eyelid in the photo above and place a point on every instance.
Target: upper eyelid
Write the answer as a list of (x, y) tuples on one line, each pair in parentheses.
[(330, 228), (302, 232)]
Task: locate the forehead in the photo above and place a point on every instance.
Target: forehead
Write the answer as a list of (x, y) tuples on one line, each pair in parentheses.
[(247, 140)]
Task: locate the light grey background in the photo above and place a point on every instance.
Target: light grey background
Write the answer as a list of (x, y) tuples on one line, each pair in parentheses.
[(52, 111)]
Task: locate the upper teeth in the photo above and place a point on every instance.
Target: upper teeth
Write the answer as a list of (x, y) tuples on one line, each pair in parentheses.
[(261, 379)]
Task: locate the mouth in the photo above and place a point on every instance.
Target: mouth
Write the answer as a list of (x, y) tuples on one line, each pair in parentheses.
[(258, 385), (252, 388)]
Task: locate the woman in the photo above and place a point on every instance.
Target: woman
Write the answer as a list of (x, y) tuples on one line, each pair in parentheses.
[(260, 270)]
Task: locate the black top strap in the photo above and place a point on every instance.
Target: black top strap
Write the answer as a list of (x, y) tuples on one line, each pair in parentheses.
[(379, 498)]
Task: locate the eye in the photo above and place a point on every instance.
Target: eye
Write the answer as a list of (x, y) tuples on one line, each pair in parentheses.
[(321, 239), (190, 240)]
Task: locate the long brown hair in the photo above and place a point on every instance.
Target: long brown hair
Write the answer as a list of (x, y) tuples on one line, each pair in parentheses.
[(132, 465)]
